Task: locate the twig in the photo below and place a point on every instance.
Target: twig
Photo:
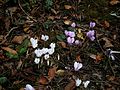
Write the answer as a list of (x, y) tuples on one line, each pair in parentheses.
[(111, 67), (25, 12), (5, 38)]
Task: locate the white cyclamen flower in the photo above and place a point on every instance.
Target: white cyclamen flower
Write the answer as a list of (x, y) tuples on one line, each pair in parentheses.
[(46, 56), (85, 83), (34, 42), (51, 51), (78, 82), (45, 50), (29, 87), (52, 45), (38, 52), (37, 60), (77, 66), (111, 53), (44, 37)]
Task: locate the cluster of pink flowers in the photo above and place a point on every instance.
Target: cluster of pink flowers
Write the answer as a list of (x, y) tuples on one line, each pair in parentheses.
[(71, 37), (91, 33)]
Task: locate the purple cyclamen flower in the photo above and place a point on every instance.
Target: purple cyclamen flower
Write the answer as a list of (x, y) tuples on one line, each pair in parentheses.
[(69, 33), (92, 24), (73, 25), (70, 40), (91, 35)]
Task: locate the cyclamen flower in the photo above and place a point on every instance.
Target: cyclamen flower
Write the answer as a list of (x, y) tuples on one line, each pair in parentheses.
[(29, 87), (34, 42), (37, 60), (52, 45), (91, 35), (77, 66), (38, 52), (111, 53), (92, 24), (44, 50), (44, 37), (77, 42), (51, 51), (69, 33), (73, 25), (70, 40), (46, 56), (85, 83), (78, 82)]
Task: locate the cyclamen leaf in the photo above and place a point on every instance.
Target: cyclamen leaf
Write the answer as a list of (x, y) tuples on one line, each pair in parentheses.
[(10, 55), (3, 80)]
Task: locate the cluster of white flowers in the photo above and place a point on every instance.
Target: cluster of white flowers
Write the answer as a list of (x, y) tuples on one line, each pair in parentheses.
[(44, 51), (78, 82), (78, 66)]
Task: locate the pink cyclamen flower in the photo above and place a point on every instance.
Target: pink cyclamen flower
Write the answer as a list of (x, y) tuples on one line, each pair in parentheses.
[(69, 33), (91, 35), (70, 40), (77, 42), (73, 25), (92, 24)]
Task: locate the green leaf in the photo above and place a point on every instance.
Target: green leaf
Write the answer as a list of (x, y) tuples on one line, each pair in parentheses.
[(23, 47), (22, 51), (60, 37), (47, 24), (10, 55), (3, 80)]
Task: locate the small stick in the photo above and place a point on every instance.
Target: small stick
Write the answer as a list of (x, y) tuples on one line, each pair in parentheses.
[(5, 38), (25, 12)]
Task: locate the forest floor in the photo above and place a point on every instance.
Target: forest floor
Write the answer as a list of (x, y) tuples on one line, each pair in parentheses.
[(60, 44)]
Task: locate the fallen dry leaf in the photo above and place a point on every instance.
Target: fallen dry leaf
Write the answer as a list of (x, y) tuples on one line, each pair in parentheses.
[(18, 39), (78, 59), (70, 85), (80, 34), (43, 80), (9, 50), (19, 64), (7, 23), (51, 17), (67, 22), (107, 43), (51, 73), (1, 38), (63, 44), (106, 24), (60, 72), (113, 2), (1, 56), (54, 11), (12, 9), (67, 7), (97, 57), (110, 78), (22, 88)]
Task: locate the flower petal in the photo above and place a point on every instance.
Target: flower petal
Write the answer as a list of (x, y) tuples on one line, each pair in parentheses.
[(29, 87), (78, 82), (37, 60), (85, 83), (77, 66), (46, 56), (34, 42)]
